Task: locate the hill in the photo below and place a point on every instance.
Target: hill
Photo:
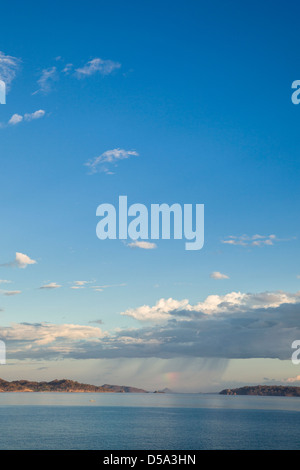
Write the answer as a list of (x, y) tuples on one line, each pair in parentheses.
[(63, 385), (264, 390)]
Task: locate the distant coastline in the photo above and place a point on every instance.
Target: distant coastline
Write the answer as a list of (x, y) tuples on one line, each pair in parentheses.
[(71, 386), (264, 390), (64, 385)]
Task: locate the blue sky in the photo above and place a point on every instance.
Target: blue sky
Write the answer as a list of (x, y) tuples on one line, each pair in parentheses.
[(201, 91)]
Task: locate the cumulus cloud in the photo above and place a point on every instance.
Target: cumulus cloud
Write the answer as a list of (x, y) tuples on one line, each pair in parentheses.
[(217, 275), (36, 115), (35, 334), (97, 65), (51, 285), (166, 309), (17, 118), (9, 67), (21, 261), (162, 310), (143, 245), (252, 240), (108, 158), (235, 325)]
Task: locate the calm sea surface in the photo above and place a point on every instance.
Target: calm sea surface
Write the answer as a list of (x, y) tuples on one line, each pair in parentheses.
[(147, 421)]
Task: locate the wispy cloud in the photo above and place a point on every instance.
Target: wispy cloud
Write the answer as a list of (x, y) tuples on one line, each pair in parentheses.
[(53, 74), (292, 380), (217, 275), (143, 245), (98, 322), (10, 293), (21, 261), (9, 67), (252, 240), (107, 286), (47, 79), (51, 285), (97, 65), (5, 281), (67, 69), (80, 284), (103, 162)]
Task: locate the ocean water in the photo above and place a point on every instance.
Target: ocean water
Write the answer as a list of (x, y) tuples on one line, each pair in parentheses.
[(147, 421)]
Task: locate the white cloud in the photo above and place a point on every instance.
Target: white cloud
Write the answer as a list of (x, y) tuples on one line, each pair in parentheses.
[(67, 69), (21, 261), (162, 310), (36, 115), (293, 379), (4, 281), (52, 74), (80, 284), (252, 240), (217, 275), (232, 302), (46, 333), (235, 325), (15, 119), (110, 157), (107, 286), (51, 285), (143, 245), (10, 292), (97, 65), (46, 80), (9, 67)]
